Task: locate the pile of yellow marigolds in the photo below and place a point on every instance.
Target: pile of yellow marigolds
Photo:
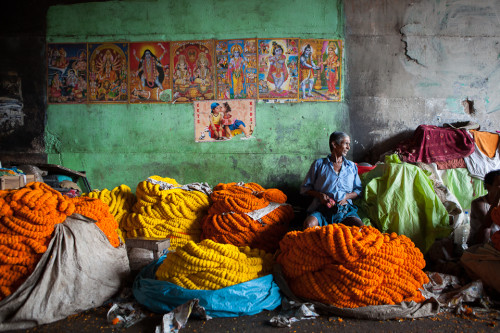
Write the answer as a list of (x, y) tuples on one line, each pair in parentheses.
[(28, 217), (172, 212), (351, 266), (228, 220), (212, 266)]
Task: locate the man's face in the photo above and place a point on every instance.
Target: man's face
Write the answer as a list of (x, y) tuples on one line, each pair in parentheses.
[(495, 187), (343, 147)]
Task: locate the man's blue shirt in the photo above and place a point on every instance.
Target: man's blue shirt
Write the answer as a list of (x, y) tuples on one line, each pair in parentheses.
[(323, 178)]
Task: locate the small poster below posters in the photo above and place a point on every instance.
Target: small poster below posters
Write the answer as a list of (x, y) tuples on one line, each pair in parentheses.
[(222, 120), (192, 64), (108, 73), (278, 63), (150, 72), (67, 73), (320, 66), (236, 68)]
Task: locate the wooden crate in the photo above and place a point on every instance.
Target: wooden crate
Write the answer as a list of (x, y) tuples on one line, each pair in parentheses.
[(14, 182), (157, 245)]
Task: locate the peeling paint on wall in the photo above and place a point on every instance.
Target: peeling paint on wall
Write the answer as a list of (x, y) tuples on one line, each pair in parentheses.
[(444, 42)]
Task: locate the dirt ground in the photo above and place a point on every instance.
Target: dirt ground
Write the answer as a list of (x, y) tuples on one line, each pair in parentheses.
[(95, 321)]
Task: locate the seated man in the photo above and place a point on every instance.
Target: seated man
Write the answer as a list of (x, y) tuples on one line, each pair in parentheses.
[(333, 181), (481, 225)]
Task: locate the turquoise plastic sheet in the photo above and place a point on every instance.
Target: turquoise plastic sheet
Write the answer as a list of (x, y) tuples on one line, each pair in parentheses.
[(246, 298), (399, 197)]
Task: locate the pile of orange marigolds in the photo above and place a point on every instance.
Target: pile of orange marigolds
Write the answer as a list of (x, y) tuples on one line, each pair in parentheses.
[(28, 217), (351, 266), (228, 221)]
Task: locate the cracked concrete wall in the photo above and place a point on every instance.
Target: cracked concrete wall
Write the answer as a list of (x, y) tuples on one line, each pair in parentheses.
[(416, 62)]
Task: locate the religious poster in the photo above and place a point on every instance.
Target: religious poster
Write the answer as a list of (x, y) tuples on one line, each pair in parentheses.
[(236, 66), (67, 73), (278, 63), (319, 70), (108, 72), (150, 72), (223, 120), (192, 64)]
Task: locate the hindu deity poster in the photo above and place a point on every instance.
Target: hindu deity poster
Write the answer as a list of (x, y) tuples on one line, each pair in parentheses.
[(67, 73), (108, 73), (192, 64), (319, 70), (278, 74), (236, 66), (222, 120), (149, 79)]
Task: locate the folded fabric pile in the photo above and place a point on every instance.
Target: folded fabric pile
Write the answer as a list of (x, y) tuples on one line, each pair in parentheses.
[(27, 220), (352, 267), (166, 209), (436, 144), (212, 266), (247, 215)]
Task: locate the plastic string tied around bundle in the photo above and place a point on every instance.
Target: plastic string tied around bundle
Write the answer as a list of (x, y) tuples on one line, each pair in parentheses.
[(351, 267), (211, 266), (166, 209), (247, 215)]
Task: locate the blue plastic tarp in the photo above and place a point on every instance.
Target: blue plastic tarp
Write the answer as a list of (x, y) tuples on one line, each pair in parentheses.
[(242, 299)]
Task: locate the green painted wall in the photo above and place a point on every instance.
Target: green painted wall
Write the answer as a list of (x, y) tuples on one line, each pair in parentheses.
[(124, 144)]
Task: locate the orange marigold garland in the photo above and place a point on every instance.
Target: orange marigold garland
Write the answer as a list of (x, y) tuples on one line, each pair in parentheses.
[(27, 220), (228, 220), (98, 211), (351, 266)]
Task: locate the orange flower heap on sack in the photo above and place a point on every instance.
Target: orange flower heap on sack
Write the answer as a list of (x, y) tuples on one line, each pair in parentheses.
[(27, 220), (98, 211), (352, 267), (247, 215)]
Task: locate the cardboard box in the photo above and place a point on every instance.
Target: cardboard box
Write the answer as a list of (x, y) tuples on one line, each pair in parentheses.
[(14, 182)]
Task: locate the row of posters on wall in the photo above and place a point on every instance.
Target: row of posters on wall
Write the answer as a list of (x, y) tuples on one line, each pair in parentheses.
[(288, 69)]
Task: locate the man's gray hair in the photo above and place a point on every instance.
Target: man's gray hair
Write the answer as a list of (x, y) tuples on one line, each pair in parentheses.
[(337, 137)]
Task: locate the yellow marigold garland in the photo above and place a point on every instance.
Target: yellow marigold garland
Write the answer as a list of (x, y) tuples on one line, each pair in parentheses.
[(27, 220), (166, 213), (351, 266), (210, 266), (120, 200), (227, 221)]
